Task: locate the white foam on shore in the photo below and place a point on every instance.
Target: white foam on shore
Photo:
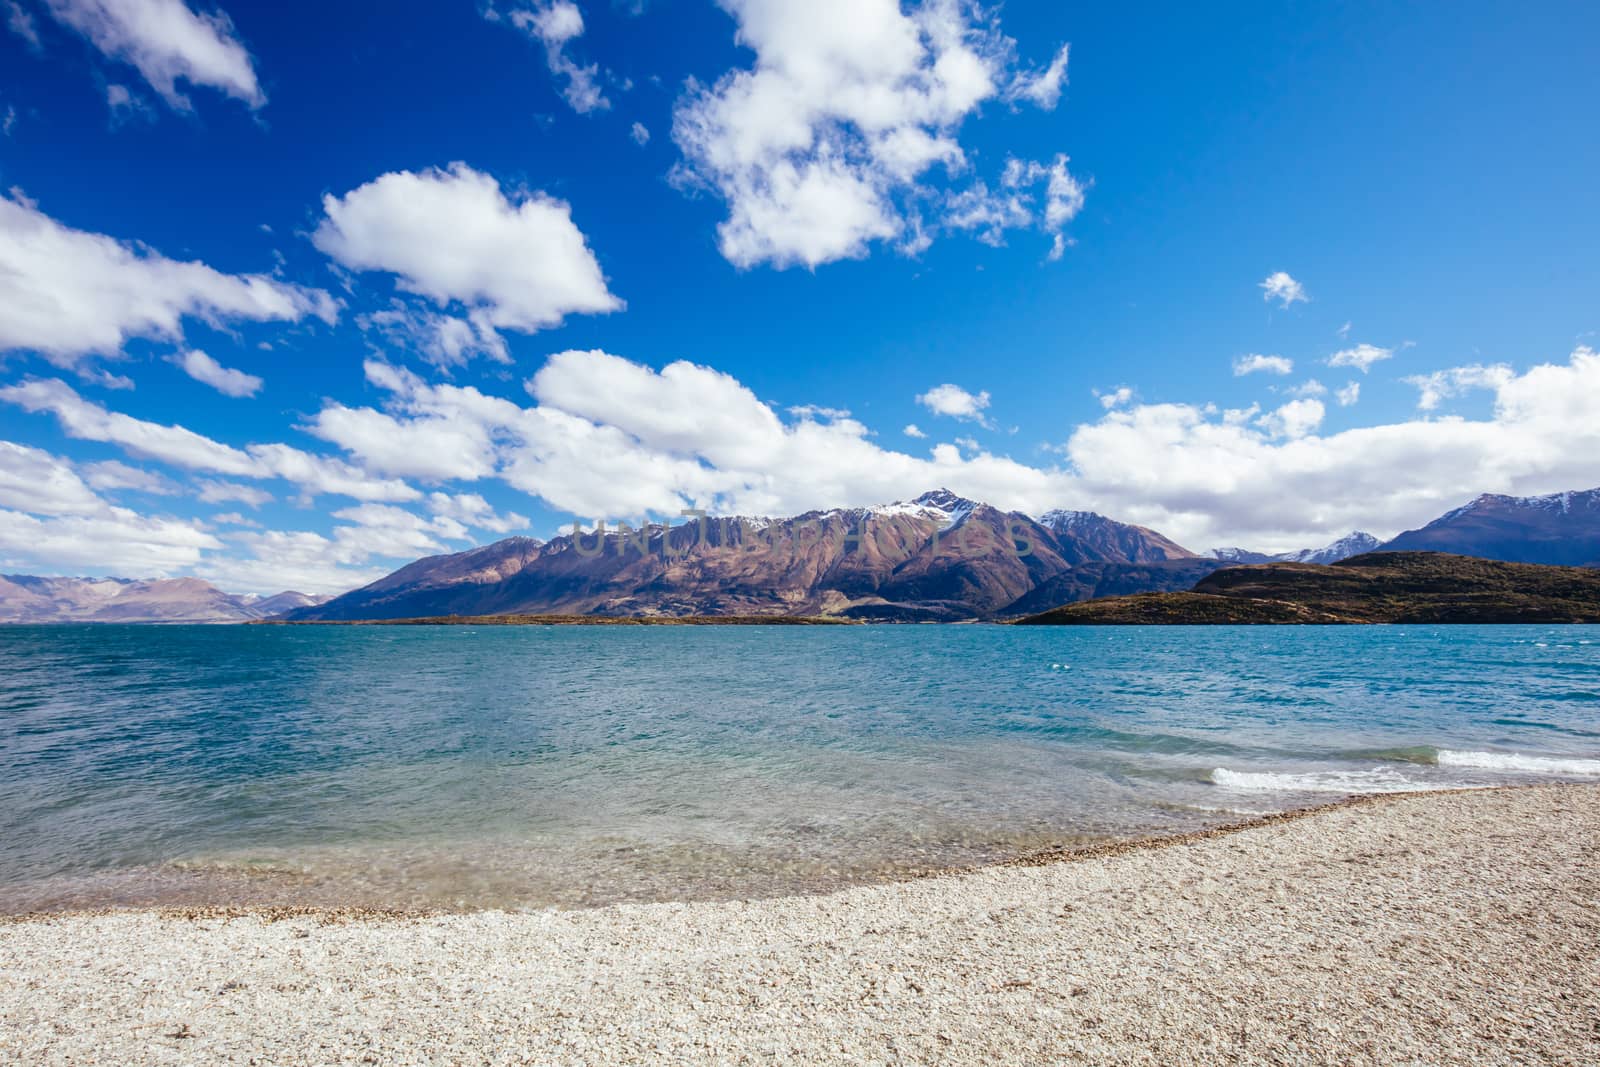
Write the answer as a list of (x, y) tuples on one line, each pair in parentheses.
[(1252, 812), (1511, 761), (1342, 782)]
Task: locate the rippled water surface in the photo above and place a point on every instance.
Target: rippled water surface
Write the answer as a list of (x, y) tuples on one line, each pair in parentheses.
[(459, 767)]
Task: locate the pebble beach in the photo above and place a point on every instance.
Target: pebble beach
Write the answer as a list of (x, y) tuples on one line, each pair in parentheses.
[(1459, 928)]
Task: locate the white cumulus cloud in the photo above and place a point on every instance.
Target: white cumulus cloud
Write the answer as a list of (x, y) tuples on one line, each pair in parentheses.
[(1284, 289), (67, 294), (956, 402), (555, 24), (167, 42), (1433, 389), (181, 447), (32, 479), (1258, 364), (515, 262), (225, 380), (829, 141), (1361, 357)]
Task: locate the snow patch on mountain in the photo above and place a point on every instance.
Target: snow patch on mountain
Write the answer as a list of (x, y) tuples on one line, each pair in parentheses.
[(1354, 544)]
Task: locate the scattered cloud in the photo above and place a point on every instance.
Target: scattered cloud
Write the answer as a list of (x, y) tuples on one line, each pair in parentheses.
[(432, 449), (225, 380), (607, 437), (914, 431), (21, 23), (1433, 389), (829, 141), (68, 294), (1063, 196), (1043, 88), (1362, 357), (113, 541), (640, 134), (8, 121), (1349, 395), (270, 561), (213, 492), (1295, 419), (1257, 364), (1285, 290), (555, 24), (1116, 398), (956, 402), (266, 561), (166, 42), (50, 518), (514, 262), (32, 479), (1189, 471), (180, 447), (113, 475), (445, 341), (470, 509), (611, 438)]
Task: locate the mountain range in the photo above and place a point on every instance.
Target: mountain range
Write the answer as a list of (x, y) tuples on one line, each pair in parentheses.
[(1350, 545), (938, 558), (26, 599)]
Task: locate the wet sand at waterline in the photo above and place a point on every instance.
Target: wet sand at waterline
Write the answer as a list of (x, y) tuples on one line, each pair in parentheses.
[(1434, 928)]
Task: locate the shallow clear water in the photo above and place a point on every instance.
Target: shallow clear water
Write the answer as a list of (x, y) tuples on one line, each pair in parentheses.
[(461, 767)]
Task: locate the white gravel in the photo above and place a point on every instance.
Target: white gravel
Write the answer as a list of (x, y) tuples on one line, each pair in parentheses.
[(1460, 928)]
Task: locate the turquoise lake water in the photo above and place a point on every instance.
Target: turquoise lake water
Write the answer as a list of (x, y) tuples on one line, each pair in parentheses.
[(462, 767)]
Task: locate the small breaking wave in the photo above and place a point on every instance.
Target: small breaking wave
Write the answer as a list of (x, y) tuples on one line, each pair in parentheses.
[(1339, 782), (1491, 768), (1511, 761)]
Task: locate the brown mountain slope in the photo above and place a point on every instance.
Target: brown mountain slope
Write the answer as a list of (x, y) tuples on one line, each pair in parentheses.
[(1094, 581), (937, 558), (1381, 587)]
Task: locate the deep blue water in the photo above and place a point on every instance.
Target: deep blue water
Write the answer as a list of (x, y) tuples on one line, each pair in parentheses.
[(526, 767)]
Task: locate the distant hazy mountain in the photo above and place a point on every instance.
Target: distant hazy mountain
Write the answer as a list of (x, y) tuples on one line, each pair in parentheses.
[(1239, 555), (1562, 529), (270, 607), (939, 557), (1355, 544), (1350, 545), (26, 599)]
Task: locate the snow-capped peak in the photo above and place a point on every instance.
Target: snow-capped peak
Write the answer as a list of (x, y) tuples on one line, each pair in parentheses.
[(1238, 555), (1060, 520), (1559, 503), (1354, 544), (946, 501)]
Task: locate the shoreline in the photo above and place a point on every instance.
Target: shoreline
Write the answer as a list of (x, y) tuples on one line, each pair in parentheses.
[(1044, 857), (1061, 854), (1457, 926)]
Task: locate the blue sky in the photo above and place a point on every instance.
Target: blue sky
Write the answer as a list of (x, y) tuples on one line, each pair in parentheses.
[(1050, 264)]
